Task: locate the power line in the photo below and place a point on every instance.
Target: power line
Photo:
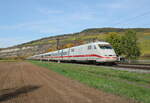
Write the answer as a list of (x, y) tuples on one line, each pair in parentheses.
[(133, 18)]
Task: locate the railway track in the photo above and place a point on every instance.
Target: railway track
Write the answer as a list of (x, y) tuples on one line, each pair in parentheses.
[(134, 66), (129, 67), (125, 66), (118, 65)]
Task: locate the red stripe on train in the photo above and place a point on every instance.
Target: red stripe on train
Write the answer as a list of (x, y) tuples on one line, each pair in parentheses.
[(89, 55)]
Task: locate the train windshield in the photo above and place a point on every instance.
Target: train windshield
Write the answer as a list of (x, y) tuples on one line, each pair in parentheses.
[(105, 46)]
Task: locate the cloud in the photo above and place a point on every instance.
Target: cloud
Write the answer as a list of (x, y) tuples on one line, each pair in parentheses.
[(7, 42), (81, 16), (43, 26), (114, 5), (47, 11), (123, 4), (50, 24)]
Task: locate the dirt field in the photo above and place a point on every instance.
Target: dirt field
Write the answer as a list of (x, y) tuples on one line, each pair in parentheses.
[(22, 82)]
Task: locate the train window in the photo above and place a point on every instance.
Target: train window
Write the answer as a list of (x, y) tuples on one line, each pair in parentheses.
[(105, 46), (94, 47), (64, 53), (72, 50), (89, 47)]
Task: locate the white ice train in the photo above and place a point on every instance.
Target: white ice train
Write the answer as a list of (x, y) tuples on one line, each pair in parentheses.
[(96, 52)]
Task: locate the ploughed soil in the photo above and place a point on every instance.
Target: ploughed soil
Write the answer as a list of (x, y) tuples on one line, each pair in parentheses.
[(23, 82)]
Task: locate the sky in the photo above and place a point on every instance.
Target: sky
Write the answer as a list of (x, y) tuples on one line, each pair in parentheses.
[(25, 20)]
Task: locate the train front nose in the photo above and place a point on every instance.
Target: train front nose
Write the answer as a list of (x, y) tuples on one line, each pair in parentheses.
[(110, 58), (108, 53)]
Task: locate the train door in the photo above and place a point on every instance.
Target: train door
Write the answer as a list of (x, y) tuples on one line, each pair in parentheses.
[(61, 54), (58, 55), (68, 58), (72, 50)]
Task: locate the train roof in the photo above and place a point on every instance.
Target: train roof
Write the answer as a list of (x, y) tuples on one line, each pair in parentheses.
[(99, 42), (92, 43)]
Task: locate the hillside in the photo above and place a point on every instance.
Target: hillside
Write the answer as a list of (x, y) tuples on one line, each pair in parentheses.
[(49, 43)]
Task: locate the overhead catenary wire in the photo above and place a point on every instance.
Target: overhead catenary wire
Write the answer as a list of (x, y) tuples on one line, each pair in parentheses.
[(127, 21)]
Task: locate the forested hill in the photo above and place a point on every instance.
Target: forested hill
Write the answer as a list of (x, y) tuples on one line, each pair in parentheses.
[(67, 40), (105, 30)]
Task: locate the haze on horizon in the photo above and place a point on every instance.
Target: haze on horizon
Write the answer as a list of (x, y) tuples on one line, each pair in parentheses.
[(26, 20)]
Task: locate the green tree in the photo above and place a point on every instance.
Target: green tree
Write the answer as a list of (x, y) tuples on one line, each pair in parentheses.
[(115, 40), (129, 43)]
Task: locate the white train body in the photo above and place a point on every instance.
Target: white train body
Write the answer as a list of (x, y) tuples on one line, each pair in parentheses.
[(100, 52)]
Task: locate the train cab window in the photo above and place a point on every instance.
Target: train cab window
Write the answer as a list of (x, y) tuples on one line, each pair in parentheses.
[(105, 46), (89, 47)]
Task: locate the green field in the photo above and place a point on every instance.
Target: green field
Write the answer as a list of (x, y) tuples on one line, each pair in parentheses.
[(123, 83)]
